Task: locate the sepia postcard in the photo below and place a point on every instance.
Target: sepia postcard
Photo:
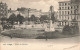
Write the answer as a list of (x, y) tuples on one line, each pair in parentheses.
[(39, 24)]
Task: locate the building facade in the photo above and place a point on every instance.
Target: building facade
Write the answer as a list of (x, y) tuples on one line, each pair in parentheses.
[(35, 12), (10, 12), (75, 9), (68, 10), (64, 13), (28, 12), (3, 10), (75, 4)]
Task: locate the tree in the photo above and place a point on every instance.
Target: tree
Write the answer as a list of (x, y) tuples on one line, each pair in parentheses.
[(37, 19), (70, 30), (2, 20), (75, 26), (20, 18), (18, 9), (66, 30), (12, 18), (33, 18), (26, 19), (43, 18)]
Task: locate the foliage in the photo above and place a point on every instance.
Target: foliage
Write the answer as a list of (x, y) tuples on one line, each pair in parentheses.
[(3, 19), (70, 30), (12, 18), (21, 9), (67, 29), (32, 18), (20, 18), (43, 18), (7, 26)]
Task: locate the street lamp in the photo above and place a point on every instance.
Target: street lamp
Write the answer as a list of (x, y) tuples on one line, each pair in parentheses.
[(28, 14), (28, 11)]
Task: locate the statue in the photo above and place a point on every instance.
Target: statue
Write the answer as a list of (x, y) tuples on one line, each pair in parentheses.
[(50, 27)]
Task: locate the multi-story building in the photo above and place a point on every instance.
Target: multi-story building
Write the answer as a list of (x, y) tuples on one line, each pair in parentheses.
[(64, 13), (3, 10), (68, 10), (35, 12), (27, 12), (10, 12), (75, 9)]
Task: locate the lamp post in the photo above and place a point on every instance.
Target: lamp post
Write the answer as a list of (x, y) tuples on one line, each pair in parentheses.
[(28, 11), (28, 14)]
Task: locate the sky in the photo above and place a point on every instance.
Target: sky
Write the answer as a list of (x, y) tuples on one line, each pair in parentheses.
[(35, 4)]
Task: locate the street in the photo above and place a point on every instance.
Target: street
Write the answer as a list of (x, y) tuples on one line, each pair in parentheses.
[(40, 44)]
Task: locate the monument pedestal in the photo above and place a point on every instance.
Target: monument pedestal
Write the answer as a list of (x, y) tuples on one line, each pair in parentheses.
[(50, 28)]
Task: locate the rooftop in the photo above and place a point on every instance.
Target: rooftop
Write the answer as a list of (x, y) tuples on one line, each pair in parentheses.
[(64, 2)]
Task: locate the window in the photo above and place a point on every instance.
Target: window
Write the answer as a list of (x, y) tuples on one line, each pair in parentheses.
[(65, 7), (77, 17), (65, 4), (59, 8), (62, 12), (68, 12), (71, 12), (65, 12), (68, 8), (61, 17), (59, 12), (68, 3), (65, 23), (71, 7), (76, 12), (62, 23), (74, 7), (77, 7), (65, 17), (68, 17), (62, 4), (62, 7)]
